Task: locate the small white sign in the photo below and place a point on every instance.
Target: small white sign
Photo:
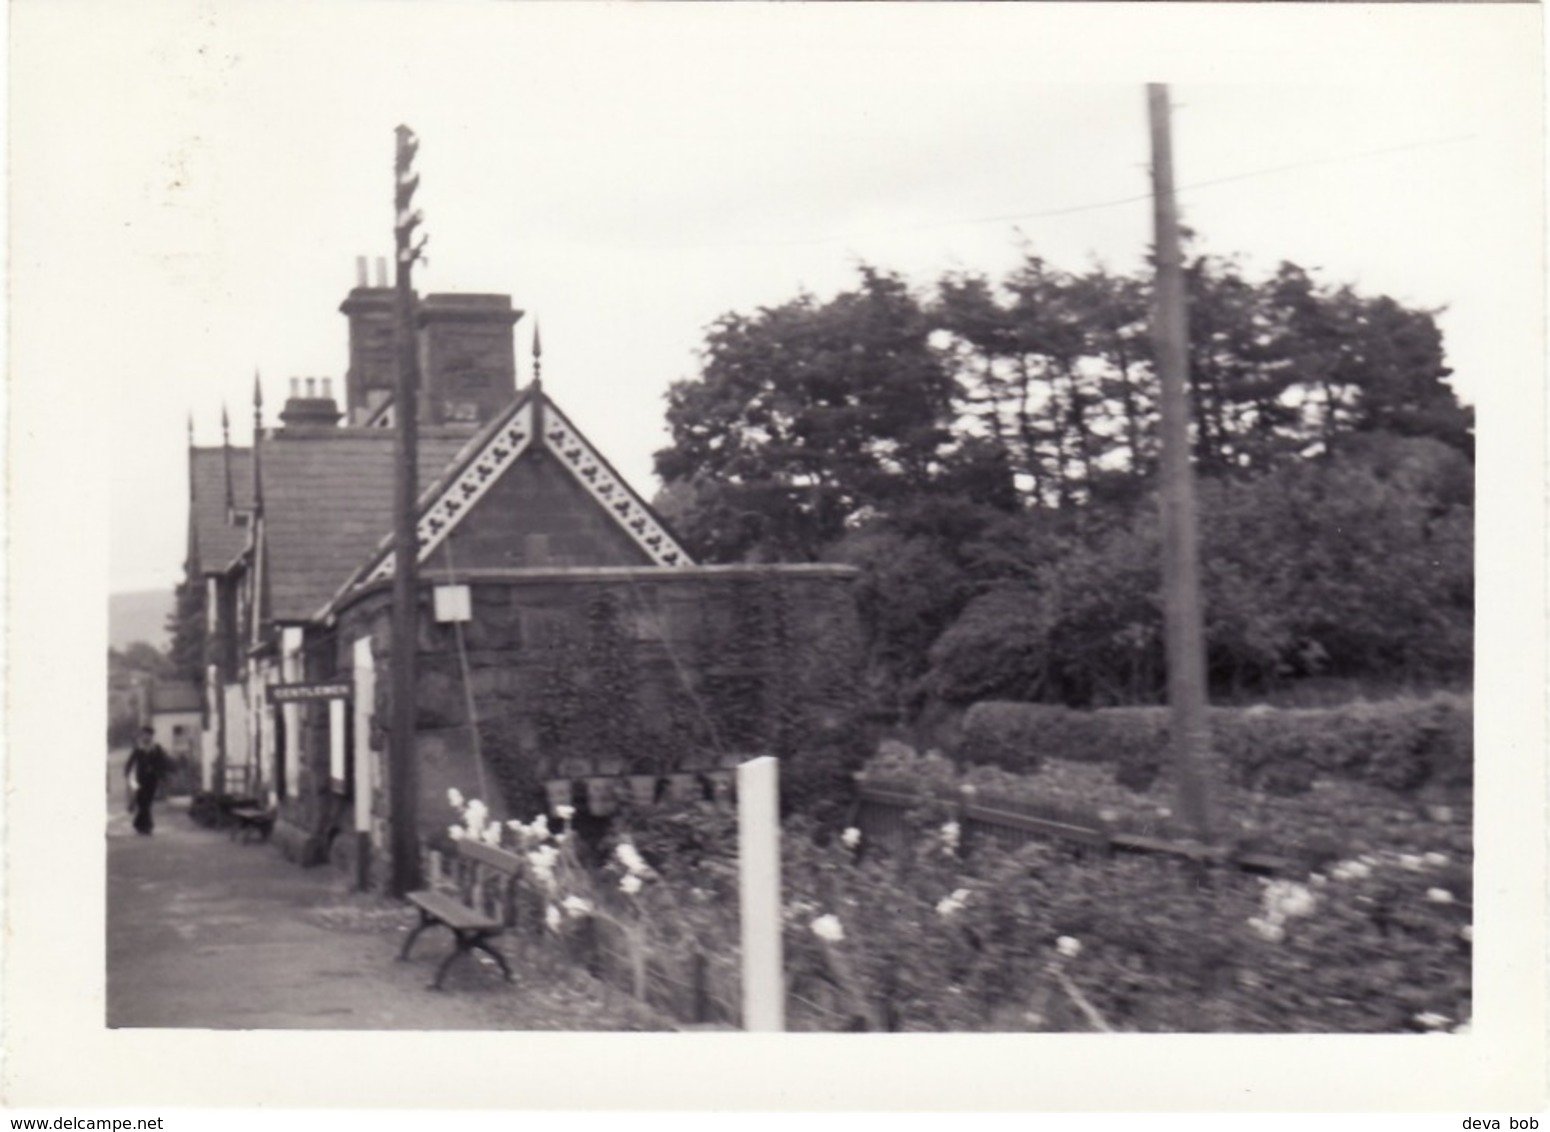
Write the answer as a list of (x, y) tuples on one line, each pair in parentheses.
[(452, 603)]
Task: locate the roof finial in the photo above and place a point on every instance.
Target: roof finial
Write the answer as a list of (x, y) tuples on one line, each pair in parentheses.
[(538, 356), (226, 459), (191, 428), (258, 391)]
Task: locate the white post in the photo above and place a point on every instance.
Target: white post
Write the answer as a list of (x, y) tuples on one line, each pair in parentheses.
[(365, 699), (758, 850)]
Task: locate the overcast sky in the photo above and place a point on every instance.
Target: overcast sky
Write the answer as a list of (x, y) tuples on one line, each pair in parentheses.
[(192, 183)]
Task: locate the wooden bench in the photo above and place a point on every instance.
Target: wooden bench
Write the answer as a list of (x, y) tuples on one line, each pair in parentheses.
[(466, 911), (249, 820)]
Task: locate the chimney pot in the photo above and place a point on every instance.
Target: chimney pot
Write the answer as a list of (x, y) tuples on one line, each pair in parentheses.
[(360, 271), (328, 389), (382, 279), (312, 387), (295, 387)]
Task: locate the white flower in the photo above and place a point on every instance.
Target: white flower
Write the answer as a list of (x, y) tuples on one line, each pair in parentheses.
[(1268, 929), (552, 918), (1410, 861), (565, 813), (543, 860), (1467, 933), (515, 826), (630, 884), (1164, 812), (949, 905), (1318, 878), (829, 929), (1108, 815), (577, 906), (950, 836), (1351, 870), (492, 834), (1433, 1021), (455, 832), (1439, 896), (540, 827), (455, 797), (1286, 899), (1436, 860), (851, 838), (1068, 946), (630, 858), (475, 814)]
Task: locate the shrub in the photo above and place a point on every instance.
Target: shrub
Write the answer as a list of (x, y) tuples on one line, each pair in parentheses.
[(1401, 744)]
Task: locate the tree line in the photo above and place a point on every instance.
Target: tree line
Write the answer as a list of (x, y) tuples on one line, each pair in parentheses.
[(986, 451)]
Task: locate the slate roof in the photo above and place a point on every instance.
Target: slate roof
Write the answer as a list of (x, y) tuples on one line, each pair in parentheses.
[(328, 502), (216, 542)]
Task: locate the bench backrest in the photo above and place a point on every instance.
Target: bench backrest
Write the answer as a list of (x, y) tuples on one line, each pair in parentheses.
[(481, 876), (489, 856)]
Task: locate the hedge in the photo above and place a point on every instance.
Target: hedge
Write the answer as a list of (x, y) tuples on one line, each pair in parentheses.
[(1400, 744)]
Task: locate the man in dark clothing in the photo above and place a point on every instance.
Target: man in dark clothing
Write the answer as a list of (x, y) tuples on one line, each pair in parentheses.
[(148, 764)]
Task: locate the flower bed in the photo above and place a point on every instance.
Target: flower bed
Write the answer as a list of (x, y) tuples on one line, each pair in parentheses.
[(926, 937)]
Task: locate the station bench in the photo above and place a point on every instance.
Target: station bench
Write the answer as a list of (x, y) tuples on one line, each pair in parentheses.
[(466, 911), (250, 820)]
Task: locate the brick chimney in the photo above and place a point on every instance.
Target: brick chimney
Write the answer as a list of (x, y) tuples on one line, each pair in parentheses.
[(373, 369), (468, 367), (311, 403)]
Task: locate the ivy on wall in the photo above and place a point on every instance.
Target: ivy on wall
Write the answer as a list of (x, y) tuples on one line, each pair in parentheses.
[(770, 665)]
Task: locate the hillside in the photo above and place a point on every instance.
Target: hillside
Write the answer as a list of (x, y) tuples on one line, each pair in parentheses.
[(140, 616)]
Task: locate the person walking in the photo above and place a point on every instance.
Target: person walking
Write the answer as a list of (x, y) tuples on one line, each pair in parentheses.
[(148, 765)]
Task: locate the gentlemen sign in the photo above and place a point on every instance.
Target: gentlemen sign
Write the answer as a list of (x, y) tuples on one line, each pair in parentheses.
[(296, 693)]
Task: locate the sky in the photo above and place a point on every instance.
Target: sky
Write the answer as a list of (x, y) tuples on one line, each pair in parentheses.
[(193, 182)]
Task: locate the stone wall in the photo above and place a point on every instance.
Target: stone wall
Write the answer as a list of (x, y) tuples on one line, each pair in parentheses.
[(575, 673)]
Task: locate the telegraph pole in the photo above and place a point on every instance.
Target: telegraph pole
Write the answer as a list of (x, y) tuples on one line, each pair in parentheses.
[(1180, 566), (403, 769)]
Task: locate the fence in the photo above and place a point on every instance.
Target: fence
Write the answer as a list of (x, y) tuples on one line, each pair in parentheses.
[(882, 812), (689, 985)]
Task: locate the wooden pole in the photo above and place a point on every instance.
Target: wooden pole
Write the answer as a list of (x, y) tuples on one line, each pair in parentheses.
[(403, 770), (1180, 566), (758, 863)]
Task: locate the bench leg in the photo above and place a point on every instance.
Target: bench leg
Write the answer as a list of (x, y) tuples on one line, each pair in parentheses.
[(425, 922), (441, 972), (484, 945), (467, 942)]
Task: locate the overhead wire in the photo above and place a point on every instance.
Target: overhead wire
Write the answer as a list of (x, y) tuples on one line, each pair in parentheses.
[(1092, 206)]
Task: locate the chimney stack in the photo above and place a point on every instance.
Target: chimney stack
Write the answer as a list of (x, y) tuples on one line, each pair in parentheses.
[(373, 367), (310, 410), (468, 367)]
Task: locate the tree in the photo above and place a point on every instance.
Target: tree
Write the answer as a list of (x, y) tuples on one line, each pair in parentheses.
[(186, 628), (987, 456), (806, 418)]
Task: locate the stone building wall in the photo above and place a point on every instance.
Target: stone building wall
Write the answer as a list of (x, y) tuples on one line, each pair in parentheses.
[(535, 515), (584, 672)]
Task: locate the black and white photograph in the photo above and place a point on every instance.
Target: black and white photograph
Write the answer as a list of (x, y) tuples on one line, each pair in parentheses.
[(824, 556)]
